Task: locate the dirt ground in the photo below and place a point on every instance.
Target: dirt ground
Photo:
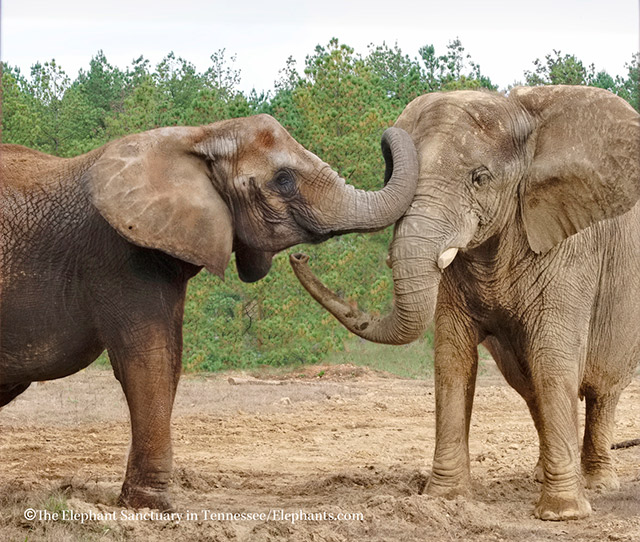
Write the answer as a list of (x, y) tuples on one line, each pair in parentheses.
[(344, 451)]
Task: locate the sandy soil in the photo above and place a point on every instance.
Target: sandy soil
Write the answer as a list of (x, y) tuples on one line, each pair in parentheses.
[(349, 442)]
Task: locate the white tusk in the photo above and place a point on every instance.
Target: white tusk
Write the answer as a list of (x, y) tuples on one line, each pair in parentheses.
[(447, 257), (388, 261)]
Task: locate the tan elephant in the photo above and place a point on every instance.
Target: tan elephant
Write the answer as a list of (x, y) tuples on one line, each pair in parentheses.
[(522, 236), (96, 252)]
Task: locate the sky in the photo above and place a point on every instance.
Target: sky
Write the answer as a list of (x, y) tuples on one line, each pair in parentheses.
[(503, 36)]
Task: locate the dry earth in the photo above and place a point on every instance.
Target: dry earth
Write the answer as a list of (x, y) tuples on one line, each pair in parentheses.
[(327, 440)]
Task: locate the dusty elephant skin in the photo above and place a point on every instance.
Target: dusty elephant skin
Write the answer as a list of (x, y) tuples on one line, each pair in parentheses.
[(96, 252), (523, 236)]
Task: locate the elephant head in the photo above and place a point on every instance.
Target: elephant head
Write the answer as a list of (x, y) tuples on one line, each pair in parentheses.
[(198, 193), (539, 165)]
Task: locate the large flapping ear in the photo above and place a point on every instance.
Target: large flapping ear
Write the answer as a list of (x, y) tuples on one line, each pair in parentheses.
[(155, 190), (586, 163)]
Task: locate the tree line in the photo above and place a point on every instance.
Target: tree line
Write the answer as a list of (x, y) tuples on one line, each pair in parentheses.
[(337, 106)]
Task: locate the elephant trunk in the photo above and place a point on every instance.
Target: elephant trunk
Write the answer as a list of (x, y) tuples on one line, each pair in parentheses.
[(417, 264), (344, 209)]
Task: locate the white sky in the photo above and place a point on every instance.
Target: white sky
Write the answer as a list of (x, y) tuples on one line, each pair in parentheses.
[(502, 36)]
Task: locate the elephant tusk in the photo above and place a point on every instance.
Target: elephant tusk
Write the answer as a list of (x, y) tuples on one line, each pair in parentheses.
[(388, 261), (447, 257)]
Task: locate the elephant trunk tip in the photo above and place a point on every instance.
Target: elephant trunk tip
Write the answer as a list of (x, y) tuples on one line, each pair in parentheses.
[(351, 318), (298, 258), (360, 323)]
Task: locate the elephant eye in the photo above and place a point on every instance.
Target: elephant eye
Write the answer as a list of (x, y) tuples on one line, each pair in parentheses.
[(284, 182), (480, 176)]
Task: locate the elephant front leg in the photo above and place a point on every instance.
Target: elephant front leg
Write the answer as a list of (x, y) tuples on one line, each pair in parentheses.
[(563, 494), (149, 374), (456, 363)]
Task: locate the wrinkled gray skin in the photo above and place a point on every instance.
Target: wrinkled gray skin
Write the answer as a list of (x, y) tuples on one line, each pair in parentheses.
[(537, 192), (96, 252)]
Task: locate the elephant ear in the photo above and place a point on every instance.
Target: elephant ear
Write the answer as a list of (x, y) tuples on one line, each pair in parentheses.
[(156, 191), (585, 165)]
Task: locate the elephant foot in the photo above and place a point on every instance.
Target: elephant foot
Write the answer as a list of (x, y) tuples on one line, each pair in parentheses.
[(448, 489), (602, 480), (144, 497), (562, 506)]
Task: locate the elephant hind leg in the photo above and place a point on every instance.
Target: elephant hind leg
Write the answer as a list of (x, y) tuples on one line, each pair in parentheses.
[(538, 471), (9, 392), (597, 464), (510, 362)]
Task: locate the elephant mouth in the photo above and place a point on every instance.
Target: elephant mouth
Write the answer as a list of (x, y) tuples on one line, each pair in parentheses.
[(252, 264), (317, 238), (307, 224)]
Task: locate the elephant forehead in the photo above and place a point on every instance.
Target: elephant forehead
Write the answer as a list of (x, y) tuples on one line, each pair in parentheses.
[(265, 139), (468, 135), (472, 111), (479, 115)]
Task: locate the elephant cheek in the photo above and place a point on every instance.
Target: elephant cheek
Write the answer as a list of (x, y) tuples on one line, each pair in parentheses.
[(252, 265)]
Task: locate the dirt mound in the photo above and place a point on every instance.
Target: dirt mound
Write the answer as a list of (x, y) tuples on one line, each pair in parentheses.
[(327, 373)]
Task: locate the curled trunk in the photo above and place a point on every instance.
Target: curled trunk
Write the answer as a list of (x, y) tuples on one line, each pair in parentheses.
[(345, 209)]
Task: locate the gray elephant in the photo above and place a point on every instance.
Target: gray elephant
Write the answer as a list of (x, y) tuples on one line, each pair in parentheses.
[(522, 236), (96, 252)]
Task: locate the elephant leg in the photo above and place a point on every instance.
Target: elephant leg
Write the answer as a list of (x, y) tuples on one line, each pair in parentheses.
[(9, 392), (148, 369), (538, 471), (597, 465), (562, 490), (510, 365), (456, 364)]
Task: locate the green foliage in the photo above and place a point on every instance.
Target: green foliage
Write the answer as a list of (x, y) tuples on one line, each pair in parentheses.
[(450, 72), (337, 107), (401, 78), (341, 113), (629, 88), (272, 322), (559, 70), (44, 112), (18, 108)]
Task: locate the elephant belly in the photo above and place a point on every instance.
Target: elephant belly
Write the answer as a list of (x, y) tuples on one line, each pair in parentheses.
[(613, 351), (43, 341), (24, 361)]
